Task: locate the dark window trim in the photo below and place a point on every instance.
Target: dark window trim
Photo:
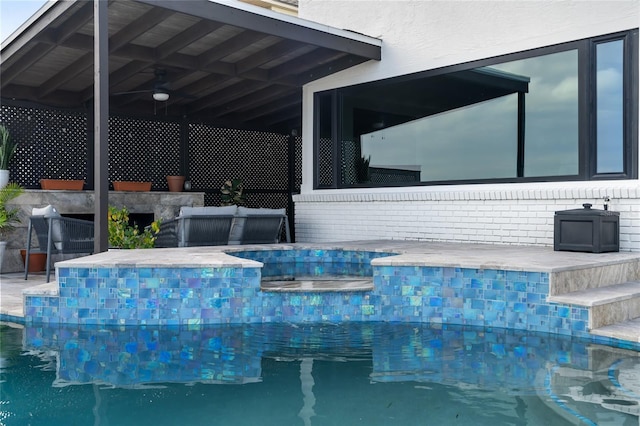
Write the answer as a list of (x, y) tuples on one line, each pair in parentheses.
[(586, 110)]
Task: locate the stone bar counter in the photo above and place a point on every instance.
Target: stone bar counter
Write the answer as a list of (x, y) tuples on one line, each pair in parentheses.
[(162, 205)]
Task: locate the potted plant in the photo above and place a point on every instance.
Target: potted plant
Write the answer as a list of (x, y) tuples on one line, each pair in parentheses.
[(7, 151), (8, 217), (233, 193), (176, 183), (64, 184), (128, 185)]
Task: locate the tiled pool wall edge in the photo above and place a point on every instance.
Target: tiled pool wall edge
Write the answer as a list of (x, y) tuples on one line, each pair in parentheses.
[(219, 295)]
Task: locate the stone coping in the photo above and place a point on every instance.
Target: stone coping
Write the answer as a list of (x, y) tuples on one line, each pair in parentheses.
[(409, 253)]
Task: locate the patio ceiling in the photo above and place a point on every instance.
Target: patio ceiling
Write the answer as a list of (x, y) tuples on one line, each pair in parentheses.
[(230, 64)]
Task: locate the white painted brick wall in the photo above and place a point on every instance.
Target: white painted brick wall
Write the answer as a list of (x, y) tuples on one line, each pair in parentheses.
[(421, 35), (513, 215)]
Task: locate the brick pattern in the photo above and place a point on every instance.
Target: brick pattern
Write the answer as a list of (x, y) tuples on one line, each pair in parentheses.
[(501, 216)]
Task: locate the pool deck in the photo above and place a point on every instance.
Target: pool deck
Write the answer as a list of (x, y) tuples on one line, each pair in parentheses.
[(586, 279)]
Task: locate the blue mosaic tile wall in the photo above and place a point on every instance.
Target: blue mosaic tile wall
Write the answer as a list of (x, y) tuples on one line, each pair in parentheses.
[(173, 296), (483, 297), (158, 296), (310, 263)]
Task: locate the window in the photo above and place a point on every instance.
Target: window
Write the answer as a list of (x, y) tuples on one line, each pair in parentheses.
[(556, 113), (610, 107)]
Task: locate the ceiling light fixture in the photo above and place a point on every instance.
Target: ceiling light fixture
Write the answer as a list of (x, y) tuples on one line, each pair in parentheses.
[(160, 96)]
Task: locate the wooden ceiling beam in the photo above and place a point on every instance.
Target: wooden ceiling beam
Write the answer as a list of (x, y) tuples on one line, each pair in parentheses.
[(62, 33), (66, 75), (186, 37), (264, 56), (138, 27), (256, 99), (303, 63), (228, 47), (227, 94), (282, 103)]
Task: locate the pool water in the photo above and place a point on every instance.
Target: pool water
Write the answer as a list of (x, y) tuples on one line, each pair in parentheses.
[(311, 374)]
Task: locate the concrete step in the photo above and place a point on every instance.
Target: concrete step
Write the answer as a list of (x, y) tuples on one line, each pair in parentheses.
[(627, 330), (607, 305), (47, 289)]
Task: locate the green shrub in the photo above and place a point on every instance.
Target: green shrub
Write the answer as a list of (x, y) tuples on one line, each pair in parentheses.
[(126, 236), (233, 193), (8, 217), (7, 147)]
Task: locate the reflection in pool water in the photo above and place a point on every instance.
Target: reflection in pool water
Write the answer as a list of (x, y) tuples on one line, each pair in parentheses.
[(312, 374)]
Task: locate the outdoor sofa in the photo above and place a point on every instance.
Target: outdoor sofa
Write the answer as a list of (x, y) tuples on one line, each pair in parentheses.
[(212, 226)]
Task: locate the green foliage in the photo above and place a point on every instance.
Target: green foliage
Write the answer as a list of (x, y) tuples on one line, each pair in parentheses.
[(232, 193), (7, 147), (123, 235), (9, 217)]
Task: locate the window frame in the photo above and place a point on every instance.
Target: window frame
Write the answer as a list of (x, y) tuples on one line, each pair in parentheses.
[(587, 143)]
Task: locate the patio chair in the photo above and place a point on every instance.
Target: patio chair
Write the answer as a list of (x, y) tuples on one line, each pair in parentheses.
[(58, 235), (259, 226), (197, 226)]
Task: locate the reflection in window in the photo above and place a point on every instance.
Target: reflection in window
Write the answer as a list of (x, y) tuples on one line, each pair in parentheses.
[(474, 142), (551, 118), (464, 125), (518, 120), (609, 61)]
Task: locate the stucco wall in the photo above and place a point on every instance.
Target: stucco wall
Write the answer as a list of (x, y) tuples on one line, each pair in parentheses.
[(421, 35)]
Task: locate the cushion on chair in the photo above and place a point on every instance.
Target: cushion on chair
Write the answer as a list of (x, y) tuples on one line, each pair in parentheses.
[(208, 211), (56, 232), (46, 211), (238, 222)]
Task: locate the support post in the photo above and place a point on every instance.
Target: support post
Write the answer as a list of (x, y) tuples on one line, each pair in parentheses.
[(101, 124)]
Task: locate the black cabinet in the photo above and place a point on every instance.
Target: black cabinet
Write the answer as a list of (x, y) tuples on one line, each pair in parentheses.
[(586, 229)]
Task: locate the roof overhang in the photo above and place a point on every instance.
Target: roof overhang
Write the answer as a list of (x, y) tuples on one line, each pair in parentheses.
[(233, 64)]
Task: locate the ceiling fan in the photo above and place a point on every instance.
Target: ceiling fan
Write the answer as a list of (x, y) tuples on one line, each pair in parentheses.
[(161, 88)]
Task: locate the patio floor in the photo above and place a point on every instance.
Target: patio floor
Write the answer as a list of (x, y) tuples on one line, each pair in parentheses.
[(611, 276)]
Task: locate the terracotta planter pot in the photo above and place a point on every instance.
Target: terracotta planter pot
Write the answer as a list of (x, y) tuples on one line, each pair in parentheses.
[(176, 183), (70, 185), (131, 186), (37, 261)]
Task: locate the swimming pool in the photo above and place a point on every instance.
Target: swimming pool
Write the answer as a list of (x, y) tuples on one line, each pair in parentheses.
[(312, 374)]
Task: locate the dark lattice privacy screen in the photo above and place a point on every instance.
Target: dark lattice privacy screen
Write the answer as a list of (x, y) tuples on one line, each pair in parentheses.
[(143, 150), (259, 159), (58, 145), (325, 163), (52, 144)]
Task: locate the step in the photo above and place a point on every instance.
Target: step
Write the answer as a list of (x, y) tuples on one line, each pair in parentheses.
[(46, 289), (317, 285), (627, 330), (608, 305)]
